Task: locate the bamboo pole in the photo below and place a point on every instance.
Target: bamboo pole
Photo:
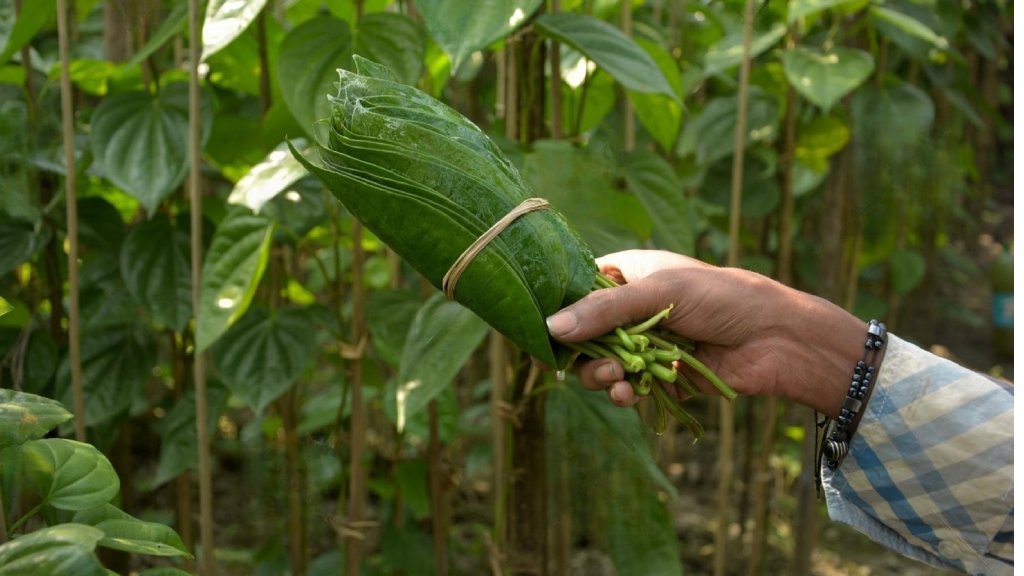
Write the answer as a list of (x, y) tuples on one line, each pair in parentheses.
[(629, 120), (207, 563), (438, 516), (555, 59), (71, 200), (726, 412)]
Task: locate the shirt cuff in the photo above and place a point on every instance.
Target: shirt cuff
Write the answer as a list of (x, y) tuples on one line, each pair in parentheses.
[(930, 469)]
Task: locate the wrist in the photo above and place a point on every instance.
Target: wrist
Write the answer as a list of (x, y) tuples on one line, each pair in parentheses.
[(824, 344)]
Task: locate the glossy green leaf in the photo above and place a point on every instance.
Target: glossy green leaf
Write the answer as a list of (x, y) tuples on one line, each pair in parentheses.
[(225, 20), (893, 118), (909, 25), (803, 8), (19, 241), (660, 114), (606, 45), (760, 192), (728, 51), (585, 107), (25, 417), (824, 77), (655, 183), (428, 182), (140, 141), (267, 179), (124, 532), (117, 362), (393, 40), (310, 54), (61, 549), (442, 337), (32, 17), (232, 270), (156, 264), (69, 475), (462, 28), (711, 134), (819, 140), (177, 429), (580, 185), (262, 355), (172, 25), (906, 270), (389, 313)]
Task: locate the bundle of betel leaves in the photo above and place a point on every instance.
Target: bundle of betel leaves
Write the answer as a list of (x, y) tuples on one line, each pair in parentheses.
[(434, 188)]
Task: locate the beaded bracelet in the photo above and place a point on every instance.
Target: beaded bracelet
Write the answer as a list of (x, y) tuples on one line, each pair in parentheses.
[(837, 433)]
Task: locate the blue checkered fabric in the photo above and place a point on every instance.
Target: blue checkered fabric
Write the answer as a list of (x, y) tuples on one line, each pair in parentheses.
[(930, 469)]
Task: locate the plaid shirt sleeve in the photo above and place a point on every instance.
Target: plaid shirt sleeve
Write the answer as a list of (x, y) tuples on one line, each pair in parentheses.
[(930, 468)]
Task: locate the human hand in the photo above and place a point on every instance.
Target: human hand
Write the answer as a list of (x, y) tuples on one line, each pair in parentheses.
[(758, 335)]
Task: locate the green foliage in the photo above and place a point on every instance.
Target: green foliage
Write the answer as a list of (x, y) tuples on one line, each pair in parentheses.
[(893, 114)]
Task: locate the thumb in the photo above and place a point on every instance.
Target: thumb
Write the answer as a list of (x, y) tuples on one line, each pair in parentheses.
[(603, 310)]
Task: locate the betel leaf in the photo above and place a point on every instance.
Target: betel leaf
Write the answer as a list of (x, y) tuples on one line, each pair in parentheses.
[(462, 28), (428, 183), (908, 25), (656, 185), (660, 114), (711, 135), (442, 336), (825, 76), (612, 50), (804, 8), (225, 20), (262, 355), (310, 54), (819, 139), (117, 361), (140, 140), (728, 51), (232, 270), (395, 41), (19, 241), (60, 549), (170, 27), (69, 475), (122, 531), (156, 265), (32, 17), (26, 417), (389, 313), (267, 179)]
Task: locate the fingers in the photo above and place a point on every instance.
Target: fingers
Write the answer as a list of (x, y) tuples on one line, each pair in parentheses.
[(602, 311), (632, 265), (607, 375)]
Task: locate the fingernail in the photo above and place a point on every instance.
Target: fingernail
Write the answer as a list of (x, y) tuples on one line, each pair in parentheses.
[(561, 323), (606, 372), (616, 395)]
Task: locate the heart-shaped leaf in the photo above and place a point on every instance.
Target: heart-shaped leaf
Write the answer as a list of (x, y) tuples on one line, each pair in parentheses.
[(32, 17), (819, 139), (140, 140), (19, 241), (26, 417), (824, 77), (893, 118), (124, 532), (728, 51), (60, 549), (655, 183), (462, 28), (612, 50), (231, 272), (442, 336), (310, 55), (393, 40), (261, 356), (156, 264), (69, 475), (225, 20), (711, 135), (267, 179), (117, 361)]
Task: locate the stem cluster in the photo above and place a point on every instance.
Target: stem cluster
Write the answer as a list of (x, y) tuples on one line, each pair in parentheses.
[(650, 357)]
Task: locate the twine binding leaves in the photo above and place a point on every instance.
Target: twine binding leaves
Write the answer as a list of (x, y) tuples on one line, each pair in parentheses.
[(463, 261)]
